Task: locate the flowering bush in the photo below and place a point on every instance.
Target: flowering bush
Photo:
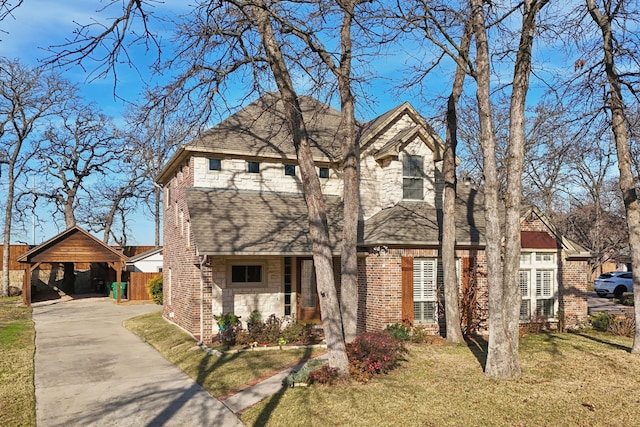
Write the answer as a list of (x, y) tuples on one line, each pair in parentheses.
[(324, 375), (373, 353)]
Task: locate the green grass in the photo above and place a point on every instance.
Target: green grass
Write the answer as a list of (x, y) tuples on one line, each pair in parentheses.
[(568, 380), (17, 348), (222, 375)]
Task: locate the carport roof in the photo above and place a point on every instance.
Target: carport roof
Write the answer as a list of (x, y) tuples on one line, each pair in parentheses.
[(73, 245)]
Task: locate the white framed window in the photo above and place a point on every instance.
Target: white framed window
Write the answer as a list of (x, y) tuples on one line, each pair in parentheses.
[(412, 177), (425, 292), (538, 285), (247, 273)]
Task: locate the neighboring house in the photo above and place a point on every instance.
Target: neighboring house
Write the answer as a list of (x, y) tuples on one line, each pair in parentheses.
[(146, 262), (236, 240)]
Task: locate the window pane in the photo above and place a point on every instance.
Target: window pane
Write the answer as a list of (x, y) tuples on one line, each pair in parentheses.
[(238, 274), (525, 310), (412, 188), (544, 283), (524, 283), (412, 166), (254, 273), (544, 307), (253, 167), (290, 170), (323, 172), (424, 312), (525, 258), (215, 164)]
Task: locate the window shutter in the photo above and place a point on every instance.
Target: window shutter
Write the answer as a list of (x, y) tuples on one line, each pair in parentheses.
[(407, 288)]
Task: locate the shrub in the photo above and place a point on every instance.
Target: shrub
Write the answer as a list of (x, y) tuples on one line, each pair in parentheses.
[(623, 325), (154, 289), (325, 375), (400, 331), (302, 375), (373, 353), (600, 321), (301, 333), (229, 326)]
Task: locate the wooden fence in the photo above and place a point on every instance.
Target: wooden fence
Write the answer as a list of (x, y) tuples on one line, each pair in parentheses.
[(137, 285)]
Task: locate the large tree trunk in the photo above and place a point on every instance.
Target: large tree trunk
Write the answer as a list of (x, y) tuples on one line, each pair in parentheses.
[(451, 288), (502, 360), (620, 133), (351, 187), (318, 229), (6, 234)]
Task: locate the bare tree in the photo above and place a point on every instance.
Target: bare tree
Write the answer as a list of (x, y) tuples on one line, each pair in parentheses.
[(503, 265), (81, 146), (27, 95), (439, 24), (609, 17), (153, 138), (226, 38)]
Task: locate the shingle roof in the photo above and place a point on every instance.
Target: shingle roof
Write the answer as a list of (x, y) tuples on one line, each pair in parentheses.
[(226, 222), (418, 223), (260, 129)]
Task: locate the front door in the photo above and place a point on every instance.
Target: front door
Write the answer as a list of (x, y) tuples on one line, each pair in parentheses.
[(307, 296)]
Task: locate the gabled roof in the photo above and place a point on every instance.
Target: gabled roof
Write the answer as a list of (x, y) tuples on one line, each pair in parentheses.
[(260, 130), (228, 222), (573, 249), (73, 245), (419, 224), (379, 125)]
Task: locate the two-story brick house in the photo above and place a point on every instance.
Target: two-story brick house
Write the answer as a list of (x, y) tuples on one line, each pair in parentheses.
[(235, 225)]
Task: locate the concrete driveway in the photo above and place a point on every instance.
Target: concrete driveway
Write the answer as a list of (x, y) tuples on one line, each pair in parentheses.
[(596, 304), (91, 371)]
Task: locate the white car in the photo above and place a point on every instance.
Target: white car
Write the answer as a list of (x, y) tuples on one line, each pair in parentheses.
[(615, 282)]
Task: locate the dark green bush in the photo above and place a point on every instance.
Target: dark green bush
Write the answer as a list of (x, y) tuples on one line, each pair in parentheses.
[(600, 321), (228, 325), (400, 331), (154, 288)]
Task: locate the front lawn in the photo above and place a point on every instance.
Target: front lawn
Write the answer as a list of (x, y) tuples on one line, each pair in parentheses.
[(219, 375), (568, 380), (17, 349)]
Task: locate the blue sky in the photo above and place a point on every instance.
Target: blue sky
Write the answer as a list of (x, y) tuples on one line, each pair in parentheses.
[(38, 24)]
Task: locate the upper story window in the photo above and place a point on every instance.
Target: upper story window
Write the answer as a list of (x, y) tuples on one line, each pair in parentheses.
[(412, 177), (253, 167), (323, 172), (290, 170), (215, 164)]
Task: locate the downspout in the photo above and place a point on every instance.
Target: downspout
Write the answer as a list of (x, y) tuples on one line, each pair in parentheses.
[(203, 260)]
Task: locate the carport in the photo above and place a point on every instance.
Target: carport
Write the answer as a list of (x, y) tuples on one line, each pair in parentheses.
[(73, 245)]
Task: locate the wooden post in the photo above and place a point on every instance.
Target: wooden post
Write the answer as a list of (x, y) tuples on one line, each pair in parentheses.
[(26, 287), (118, 267)]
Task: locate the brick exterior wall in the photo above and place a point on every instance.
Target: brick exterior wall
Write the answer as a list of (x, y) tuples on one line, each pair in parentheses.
[(380, 287), (181, 274)]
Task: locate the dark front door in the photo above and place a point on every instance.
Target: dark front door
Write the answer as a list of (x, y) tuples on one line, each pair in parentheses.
[(307, 295)]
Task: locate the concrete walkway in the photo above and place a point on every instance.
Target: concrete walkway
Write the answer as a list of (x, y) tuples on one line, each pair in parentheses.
[(91, 371)]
